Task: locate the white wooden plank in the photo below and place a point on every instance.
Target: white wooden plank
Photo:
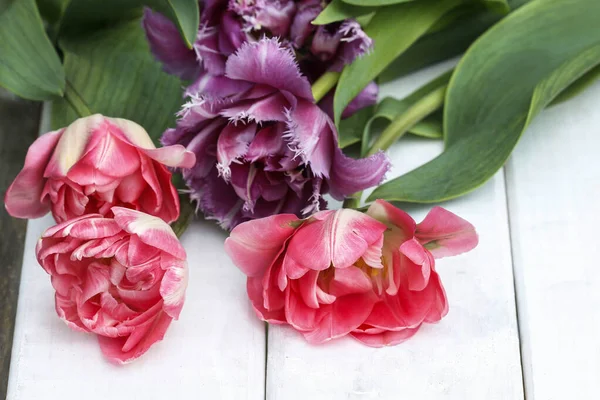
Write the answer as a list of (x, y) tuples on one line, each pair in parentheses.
[(553, 182), (472, 354), (215, 351)]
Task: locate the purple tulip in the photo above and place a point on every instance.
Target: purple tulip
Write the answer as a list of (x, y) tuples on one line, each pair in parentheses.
[(226, 25), (266, 148)]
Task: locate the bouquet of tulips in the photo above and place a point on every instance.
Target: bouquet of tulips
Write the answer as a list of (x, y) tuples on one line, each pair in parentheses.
[(255, 113)]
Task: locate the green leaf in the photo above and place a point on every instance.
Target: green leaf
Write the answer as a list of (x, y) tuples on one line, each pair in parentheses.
[(29, 65), (115, 74), (578, 86), (351, 129), (499, 6), (337, 10), (440, 46), (505, 79), (393, 30), (84, 16)]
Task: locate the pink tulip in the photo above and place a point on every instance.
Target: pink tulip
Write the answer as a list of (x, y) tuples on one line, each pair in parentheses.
[(122, 278), (344, 272), (92, 165)]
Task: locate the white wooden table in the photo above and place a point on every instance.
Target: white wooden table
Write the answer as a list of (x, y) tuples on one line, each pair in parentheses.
[(524, 306)]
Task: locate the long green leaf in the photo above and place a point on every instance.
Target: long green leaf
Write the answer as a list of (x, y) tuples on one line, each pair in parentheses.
[(84, 16), (29, 65), (115, 74), (337, 10), (513, 71), (393, 29), (440, 46)]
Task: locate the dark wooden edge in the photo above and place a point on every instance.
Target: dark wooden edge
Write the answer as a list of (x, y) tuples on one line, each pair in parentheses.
[(19, 124)]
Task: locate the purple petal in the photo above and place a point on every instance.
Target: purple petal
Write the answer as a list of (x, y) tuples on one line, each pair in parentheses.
[(207, 50), (325, 42), (231, 34), (270, 108), (310, 132), (355, 43), (350, 176), (267, 62), (233, 144), (217, 86), (268, 141), (276, 17), (367, 97), (302, 28), (168, 47)]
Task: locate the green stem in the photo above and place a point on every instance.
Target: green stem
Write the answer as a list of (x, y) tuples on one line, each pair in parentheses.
[(324, 84), (403, 122), (76, 101), (186, 214), (399, 126)]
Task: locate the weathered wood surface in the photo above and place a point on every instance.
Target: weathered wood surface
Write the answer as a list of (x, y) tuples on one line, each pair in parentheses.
[(19, 120)]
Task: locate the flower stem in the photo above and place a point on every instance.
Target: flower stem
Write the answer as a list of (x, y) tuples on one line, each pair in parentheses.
[(76, 101), (186, 215), (399, 126), (324, 84), (403, 122)]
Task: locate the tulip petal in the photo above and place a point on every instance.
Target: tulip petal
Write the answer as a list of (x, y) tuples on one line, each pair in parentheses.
[(310, 133), (167, 46), (267, 62), (385, 338), (232, 144), (349, 175), (446, 234), (418, 266), (341, 317), (172, 288), (175, 156), (351, 280), (24, 196), (269, 108), (339, 240), (255, 294), (217, 86), (114, 348), (151, 230), (248, 248)]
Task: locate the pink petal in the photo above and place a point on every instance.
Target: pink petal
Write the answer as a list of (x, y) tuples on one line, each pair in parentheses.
[(114, 348), (419, 264), (268, 63), (339, 240), (175, 156), (446, 234), (151, 230), (24, 196), (385, 338), (254, 245), (308, 289), (172, 289), (255, 294), (351, 280), (341, 317), (298, 314)]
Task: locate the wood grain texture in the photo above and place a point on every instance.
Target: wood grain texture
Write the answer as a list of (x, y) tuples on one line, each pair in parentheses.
[(472, 354), (215, 351), (553, 183), (19, 120)]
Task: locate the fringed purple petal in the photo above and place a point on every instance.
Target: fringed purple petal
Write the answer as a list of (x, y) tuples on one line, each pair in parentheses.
[(168, 47), (311, 136), (270, 108), (355, 43), (267, 62), (325, 42), (302, 27), (216, 86), (233, 144), (350, 176), (268, 141)]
